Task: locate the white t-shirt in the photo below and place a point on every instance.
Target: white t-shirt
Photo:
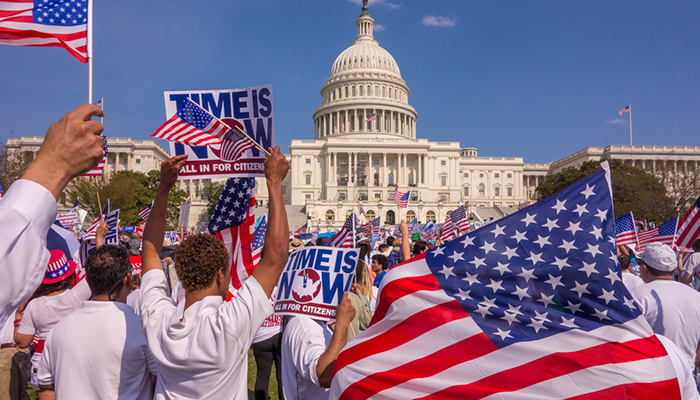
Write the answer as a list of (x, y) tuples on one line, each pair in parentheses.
[(98, 352), (673, 310), (692, 266), (631, 281), (7, 331), (373, 302), (132, 300), (303, 342), (201, 352), (43, 313), (27, 211)]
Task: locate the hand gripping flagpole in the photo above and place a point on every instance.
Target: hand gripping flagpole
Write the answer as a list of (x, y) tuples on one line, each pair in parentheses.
[(267, 153)]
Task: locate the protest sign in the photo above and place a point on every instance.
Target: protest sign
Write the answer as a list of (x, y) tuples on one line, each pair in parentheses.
[(314, 280), (249, 108)]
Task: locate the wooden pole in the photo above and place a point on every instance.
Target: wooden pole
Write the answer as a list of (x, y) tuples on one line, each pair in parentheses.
[(97, 190)]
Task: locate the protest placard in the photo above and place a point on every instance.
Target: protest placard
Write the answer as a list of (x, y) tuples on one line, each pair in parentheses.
[(250, 109), (314, 280)]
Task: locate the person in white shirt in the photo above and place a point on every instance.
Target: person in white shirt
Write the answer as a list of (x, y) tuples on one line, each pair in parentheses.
[(671, 308), (14, 364), (200, 345), (624, 256), (52, 301), (692, 265), (99, 350), (309, 352), (72, 146), (266, 350)]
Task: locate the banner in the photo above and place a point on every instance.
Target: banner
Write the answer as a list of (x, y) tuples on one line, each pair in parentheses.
[(249, 108), (112, 220), (314, 280)]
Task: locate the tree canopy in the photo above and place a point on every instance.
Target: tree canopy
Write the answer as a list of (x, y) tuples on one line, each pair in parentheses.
[(633, 190), (128, 191)]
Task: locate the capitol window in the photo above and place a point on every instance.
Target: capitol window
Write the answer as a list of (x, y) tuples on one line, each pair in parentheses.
[(443, 162), (376, 162), (308, 161), (348, 214), (496, 175), (466, 190), (430, 216), (376, 179), (391, 178), (308, 179), (509, 175), (390, 162), (443, 180), (482, 190), (509, 191), (466, 175), (410, 179), (377, 196), (410, 216), (330, 215), (410, 162), (284, 189), (370, 215), (497, 191)]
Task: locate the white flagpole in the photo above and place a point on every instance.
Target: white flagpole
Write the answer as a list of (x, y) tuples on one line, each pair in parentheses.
[(89, 50), (630, 124)]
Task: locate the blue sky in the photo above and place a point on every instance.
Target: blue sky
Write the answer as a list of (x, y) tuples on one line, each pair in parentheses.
[(532, 79)]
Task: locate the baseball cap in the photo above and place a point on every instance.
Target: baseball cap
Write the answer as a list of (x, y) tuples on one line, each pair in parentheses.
[(660, 257)]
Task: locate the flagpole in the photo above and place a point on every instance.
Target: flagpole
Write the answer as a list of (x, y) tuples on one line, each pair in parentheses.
[(89, 49), (97, 190), (267, 153), (630, 124)]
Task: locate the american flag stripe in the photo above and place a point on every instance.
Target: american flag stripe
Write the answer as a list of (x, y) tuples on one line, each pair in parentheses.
[(422, 360), (97, 171), (689, 228), (176, 130), (17, 27)]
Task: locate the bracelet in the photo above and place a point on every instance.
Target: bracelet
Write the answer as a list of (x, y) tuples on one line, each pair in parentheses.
[(16, 324), (17, 321)]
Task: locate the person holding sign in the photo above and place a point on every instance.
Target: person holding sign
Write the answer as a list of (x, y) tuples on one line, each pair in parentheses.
[(200, 345), (309, 352)]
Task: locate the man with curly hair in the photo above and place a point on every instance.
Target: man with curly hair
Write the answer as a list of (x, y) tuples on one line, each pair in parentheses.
[(200, 345)]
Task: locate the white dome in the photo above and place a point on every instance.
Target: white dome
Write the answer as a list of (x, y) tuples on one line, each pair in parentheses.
[(364, 55)]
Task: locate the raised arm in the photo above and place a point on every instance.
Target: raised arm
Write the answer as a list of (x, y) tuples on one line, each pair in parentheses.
[(405, 243), (345, 312), (154, 231), (276, 248)]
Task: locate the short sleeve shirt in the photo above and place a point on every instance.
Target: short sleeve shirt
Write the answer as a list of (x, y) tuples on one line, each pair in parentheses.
[(303, 342), (201, 352)]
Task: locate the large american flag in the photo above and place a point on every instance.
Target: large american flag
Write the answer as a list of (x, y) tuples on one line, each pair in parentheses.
[(459, 218), (301, 230), (625, 232), (233, 222), (258, 241), (531, 306), (145, 212), (193, 126), (665, 233), (53, 23), (689, 228), (97, 171), (372, 226), (234, 144), (345, 238), (401, 199)]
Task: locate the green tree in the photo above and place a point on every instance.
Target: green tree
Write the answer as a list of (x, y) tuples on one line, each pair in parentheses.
[(127, 191), (213, 193), (12, 166), (633, 189)]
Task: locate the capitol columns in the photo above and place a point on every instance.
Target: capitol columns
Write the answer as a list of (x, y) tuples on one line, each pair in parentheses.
[(420, 168), (384, 176), (370, 174), (334, 169)]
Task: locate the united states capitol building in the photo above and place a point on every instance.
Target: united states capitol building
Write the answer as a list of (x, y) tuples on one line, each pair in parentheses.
[(366, 140)]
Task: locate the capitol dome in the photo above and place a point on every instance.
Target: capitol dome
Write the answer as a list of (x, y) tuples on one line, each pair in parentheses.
[(365, 92)]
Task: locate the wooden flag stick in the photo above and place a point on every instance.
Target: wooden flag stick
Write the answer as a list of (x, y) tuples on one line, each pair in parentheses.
[(267, 153), (97, 190)]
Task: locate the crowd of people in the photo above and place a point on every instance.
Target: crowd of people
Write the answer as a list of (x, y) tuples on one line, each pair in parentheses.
[(171, 330)]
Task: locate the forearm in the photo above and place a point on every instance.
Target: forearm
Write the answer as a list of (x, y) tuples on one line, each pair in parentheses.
[(154, 231), (276, 248), (405, 246), (326, 362), (54, 180)]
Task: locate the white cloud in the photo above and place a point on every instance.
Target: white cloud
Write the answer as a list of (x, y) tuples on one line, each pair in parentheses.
[(379, 27), (433, 20), (385, 3), (616, 121)]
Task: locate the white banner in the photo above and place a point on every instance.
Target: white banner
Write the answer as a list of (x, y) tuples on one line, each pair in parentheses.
[(314, 280), (249, 108)]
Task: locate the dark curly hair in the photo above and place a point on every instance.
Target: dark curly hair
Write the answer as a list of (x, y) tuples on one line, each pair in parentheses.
[(198, 259), (47, 288), (105, 270)]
